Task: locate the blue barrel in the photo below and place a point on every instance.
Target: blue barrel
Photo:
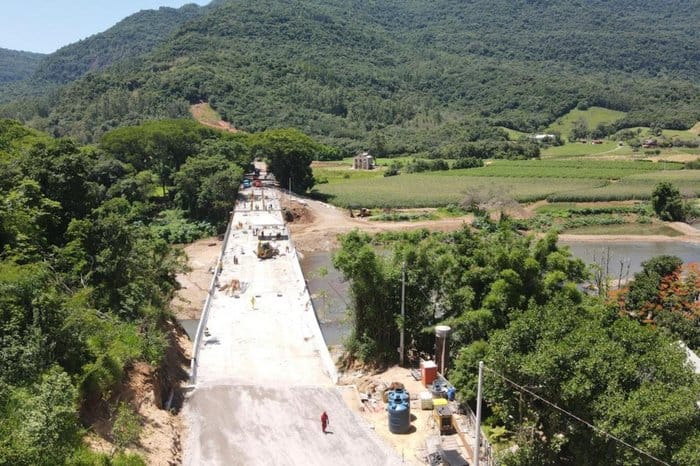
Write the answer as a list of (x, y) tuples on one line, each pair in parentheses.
[(451, 393), (399, 417)]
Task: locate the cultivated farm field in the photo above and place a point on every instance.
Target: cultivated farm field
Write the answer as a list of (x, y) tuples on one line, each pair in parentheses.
[(572, 180)]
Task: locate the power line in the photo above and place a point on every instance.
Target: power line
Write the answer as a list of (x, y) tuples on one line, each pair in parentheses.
[(583, 421)]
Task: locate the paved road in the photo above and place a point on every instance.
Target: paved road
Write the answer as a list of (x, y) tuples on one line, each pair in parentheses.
[(264, 372), (280, 425)]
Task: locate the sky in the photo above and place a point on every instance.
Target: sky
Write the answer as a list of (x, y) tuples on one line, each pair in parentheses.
[(47, 25)]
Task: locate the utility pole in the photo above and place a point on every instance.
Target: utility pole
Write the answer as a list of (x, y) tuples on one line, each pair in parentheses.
[(477, 436), (403, 311)]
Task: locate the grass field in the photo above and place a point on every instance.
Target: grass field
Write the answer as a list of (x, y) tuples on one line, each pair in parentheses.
[(669, 133), (593, 116), (513, 134), (577, 149)]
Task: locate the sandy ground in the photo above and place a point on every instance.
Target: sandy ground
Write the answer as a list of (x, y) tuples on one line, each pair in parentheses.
[(160, 439), (412, 445), (201, 259), (318, 228), (202, 112)]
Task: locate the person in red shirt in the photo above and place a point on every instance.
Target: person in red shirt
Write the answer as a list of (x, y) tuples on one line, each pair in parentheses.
[(324, 421)]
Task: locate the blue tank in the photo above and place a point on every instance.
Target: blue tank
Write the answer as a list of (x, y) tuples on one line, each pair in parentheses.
[(399, 417), (399, 396)]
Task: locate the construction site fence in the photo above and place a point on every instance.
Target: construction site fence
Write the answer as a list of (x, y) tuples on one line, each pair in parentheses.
[(486, 454), (207, 304)]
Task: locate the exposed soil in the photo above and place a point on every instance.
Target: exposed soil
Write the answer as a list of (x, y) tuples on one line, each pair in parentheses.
[(201, 259), (316, 225), (148, 391), (202, 113)]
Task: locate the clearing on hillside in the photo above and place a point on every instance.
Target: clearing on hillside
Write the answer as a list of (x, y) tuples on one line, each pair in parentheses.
[(206, 115), (593, 116)]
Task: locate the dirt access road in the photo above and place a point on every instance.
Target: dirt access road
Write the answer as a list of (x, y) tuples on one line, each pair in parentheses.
[(317, 225)]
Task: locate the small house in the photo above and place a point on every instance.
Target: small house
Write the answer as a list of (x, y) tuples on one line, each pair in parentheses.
[(363, 161), (650, 143)]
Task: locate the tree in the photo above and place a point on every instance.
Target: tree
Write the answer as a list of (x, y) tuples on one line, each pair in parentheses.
[(665, 293), (579, 130), (39, 425), (613, 372), (206, 187), (667, 202), (289, 154)]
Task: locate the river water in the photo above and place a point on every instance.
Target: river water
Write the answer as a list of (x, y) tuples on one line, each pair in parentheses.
[(331, 298)]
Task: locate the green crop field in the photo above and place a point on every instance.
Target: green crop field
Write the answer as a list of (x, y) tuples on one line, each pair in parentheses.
[(634, 187), (593, 117), (623, 229), (563, 180), (565, 168), (433, 190)]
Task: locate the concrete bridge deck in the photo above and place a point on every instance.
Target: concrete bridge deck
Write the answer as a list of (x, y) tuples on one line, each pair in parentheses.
[(264, 375)]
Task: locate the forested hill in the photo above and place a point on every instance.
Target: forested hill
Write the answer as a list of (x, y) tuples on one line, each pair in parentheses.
[(133, 36), (15, 65), (393, 75)]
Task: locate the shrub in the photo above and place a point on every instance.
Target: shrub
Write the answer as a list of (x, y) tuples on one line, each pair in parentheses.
[(667, 202), (173, 227), (467, 162)]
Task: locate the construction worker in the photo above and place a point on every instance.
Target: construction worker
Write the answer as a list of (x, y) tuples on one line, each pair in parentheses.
[(324, 421)]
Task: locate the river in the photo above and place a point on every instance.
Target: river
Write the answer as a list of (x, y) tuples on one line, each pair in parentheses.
[(331, 298)]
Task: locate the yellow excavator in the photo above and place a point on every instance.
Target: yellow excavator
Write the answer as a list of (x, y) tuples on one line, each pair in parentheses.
[(266, 251)]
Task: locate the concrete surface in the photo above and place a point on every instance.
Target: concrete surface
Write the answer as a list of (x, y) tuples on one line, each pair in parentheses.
[(264, 373), (280, 425)]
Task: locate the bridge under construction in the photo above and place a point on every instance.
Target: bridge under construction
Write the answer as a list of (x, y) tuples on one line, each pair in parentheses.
[(261, 372)]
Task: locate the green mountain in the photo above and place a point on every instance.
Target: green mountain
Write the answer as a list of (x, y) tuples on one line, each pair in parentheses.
[(397, 76), (16, 66), (134, 36)]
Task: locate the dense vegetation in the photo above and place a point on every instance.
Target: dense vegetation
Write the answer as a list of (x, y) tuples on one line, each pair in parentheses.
[(390, 76), (514, 302), (87, 270), (15, 66)]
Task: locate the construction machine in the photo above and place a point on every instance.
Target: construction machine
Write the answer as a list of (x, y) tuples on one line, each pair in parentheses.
[(266, 251)]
